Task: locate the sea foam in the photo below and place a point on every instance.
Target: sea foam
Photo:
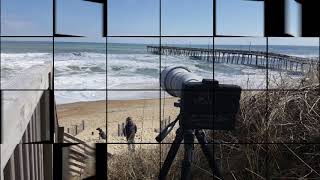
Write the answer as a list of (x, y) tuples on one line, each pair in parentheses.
[(87, 70)]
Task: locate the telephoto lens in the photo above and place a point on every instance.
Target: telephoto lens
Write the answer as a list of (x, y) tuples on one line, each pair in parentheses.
[(173, 78)]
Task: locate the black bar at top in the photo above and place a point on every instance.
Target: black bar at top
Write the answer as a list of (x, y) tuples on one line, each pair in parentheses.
[(65, 35), (104, 15), (274, 18), (310, 14)]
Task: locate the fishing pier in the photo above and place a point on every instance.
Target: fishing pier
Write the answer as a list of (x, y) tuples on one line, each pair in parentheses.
[(244, 57)]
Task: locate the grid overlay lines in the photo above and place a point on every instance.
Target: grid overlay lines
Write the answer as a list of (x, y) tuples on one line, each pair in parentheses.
[(161, 100)]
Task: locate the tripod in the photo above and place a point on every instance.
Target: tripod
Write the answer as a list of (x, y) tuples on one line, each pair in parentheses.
[(188, 137)]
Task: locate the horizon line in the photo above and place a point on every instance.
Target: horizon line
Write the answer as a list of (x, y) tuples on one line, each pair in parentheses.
[(153, 43)]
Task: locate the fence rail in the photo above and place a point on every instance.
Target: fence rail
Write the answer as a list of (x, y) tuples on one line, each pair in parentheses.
[(76, 156), (76, 129), (163, 124)]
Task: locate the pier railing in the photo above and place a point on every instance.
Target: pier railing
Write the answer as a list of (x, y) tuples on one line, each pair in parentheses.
[(26, 116), (244, 57)]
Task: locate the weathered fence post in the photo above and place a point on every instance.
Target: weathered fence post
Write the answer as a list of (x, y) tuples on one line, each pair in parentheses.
[(45, 115), (65, 163), (60, 134), (163, 124), (26, 159), (76, 129), (48, 161), (119, 132), (18, 162), (122, 129)]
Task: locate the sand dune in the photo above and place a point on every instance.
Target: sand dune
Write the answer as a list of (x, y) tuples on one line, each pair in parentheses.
[(145, 113)]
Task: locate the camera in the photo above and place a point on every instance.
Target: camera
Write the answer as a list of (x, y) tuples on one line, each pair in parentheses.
[(204, 103)]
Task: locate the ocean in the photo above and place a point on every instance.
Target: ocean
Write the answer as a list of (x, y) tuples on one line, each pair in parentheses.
[(79, 65)]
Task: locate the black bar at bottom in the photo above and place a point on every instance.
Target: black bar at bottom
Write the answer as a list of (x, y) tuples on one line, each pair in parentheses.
[(101, 161)]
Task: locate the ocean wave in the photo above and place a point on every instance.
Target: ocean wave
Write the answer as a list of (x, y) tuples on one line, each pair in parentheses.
[(23, 55), (80, 63), (79, 55), (80, 81), (308, 56), (131, 82), (131, 65), (87, 70), (63, 97)]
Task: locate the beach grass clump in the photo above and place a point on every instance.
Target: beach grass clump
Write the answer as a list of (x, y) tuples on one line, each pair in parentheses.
[(284, 121), (145, 163), (142, 164), (277, 116)]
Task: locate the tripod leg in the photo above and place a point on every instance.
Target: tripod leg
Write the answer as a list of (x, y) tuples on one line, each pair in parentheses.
[(204, 146), (188, 154), (171, 154)]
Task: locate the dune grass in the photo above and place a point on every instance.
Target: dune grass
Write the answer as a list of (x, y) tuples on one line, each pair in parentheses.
[(145, 164), (276, 136), (286, 125)]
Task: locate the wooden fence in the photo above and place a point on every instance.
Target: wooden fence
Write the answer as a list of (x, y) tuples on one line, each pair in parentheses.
[(120, 129), (77, 157), (76, 129), (26, 114), (163, 124)]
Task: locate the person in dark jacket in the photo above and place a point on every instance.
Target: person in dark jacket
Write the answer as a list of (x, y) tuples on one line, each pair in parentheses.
[(102, 134), (130, 131)]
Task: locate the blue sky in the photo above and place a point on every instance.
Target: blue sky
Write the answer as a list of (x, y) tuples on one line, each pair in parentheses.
[(238, 17), (20, 18), (141, 17)]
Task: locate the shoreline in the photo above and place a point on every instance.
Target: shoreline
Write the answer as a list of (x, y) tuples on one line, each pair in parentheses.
[(113, 100), (112, 96)]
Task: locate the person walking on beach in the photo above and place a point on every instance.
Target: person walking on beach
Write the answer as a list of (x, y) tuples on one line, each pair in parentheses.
[(130, 131)]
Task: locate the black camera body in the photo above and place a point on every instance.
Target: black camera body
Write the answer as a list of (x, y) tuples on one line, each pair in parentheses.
[(209, 105)]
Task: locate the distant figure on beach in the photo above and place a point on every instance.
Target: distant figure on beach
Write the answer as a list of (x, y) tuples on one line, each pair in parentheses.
[(130, 131), (101, 134)]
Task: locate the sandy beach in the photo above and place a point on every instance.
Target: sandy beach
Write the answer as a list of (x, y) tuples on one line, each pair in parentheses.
[(145, 113)]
